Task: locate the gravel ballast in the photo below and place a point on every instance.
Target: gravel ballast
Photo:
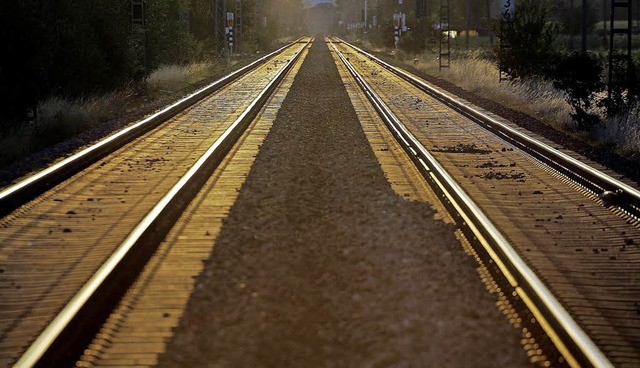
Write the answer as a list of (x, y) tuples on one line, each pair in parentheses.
[(320, 263)]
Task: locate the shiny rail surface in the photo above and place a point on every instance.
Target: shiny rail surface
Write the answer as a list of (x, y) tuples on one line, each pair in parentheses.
[(140, 327), (574, 345), (612, 191), (74, 324), (23, 191)]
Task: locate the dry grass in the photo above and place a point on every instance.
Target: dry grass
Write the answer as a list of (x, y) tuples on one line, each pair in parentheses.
[(477, 74), (172, 78), (59, 118), (537, 98), (73, 115), (623, 131)]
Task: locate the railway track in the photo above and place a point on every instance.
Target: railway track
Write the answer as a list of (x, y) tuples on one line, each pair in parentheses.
[(143, 208), (69, 253), (559, 236)]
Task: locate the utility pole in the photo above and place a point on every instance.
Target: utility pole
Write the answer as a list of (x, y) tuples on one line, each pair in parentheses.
[(620, 58), (444, 49), (366, 5), (237, 26), (138, 25), (571, 25), (585, 19), (605, 13), (468, 22), (219, 9), (489, 22), (507, 13), (419, 30)]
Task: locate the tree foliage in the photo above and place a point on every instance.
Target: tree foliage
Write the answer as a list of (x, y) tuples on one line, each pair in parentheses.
[(63, 47), (579, 75), (530, 37), (73, 48), (625, 93)]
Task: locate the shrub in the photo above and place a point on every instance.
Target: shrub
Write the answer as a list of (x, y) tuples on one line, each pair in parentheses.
[(626, 94), (579, 75)]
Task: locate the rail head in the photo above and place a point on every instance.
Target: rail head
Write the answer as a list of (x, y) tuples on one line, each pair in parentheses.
[(622, 194), (579, 349)]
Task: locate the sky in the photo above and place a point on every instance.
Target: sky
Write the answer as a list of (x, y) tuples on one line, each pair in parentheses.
[(312, 3)]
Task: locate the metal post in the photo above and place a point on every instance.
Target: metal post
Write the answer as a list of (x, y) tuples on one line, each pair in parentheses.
[(585, 17), (396, 30), (488, 2), (507, 12), (619, 57), (220, 23), (419, 30), (216, 26), (611, 50), (571, 25), (604, 23), (236, 25), (138, 22), (365, 14), (468, 21), (445, 36), (230, 29)]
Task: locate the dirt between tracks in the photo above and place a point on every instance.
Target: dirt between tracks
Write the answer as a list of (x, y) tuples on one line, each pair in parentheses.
[(321, 264)]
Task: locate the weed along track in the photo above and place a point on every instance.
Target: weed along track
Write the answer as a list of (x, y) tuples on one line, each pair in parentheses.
[(546, 209), (91, 232), (284, 219)]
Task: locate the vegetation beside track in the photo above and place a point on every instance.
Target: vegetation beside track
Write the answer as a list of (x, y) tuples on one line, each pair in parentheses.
[(549, 81), (68, 66), (59, 118)]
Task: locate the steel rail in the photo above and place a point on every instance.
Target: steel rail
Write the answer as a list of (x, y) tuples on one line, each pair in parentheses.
[(570, 340), (154, 226), (23, 191), (622, 195)]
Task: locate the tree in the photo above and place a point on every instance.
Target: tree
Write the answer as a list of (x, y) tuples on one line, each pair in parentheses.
[(579, 75), (531, 38), (22, 45), (73, 48)]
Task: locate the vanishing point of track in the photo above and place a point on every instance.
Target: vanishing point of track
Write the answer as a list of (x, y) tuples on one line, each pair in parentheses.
[(565, 266)]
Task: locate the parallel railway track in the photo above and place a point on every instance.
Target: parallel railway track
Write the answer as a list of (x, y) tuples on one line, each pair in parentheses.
[(95, 231), (566, 263), (566, 267)]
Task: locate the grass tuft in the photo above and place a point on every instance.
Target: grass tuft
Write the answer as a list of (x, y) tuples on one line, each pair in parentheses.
[(623, 131), (172, 78)]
